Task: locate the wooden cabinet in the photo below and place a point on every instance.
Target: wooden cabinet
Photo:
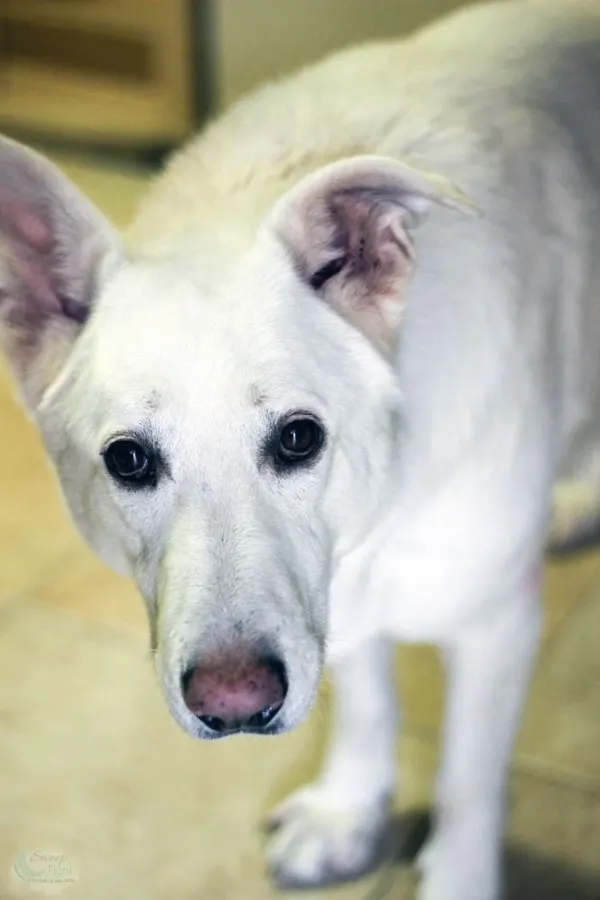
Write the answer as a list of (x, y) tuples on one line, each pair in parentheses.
[(119, 71)]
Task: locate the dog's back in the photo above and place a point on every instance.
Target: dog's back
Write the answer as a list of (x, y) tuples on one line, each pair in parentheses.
[(417, 91)]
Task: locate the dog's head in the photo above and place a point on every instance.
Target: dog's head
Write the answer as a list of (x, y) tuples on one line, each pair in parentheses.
[(221, 440)]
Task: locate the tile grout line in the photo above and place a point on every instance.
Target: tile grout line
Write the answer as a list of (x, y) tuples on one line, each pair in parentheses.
[(124, 631), (558, 776), (37, 584), (526, 764)]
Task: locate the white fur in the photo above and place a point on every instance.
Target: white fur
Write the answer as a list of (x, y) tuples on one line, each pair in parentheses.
[(426, 517)]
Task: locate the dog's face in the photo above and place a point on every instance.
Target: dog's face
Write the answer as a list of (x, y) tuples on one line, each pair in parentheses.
[(221, 440)]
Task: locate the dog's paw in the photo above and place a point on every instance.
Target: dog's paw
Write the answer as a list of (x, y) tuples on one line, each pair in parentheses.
[(451, 871), (315, 841)]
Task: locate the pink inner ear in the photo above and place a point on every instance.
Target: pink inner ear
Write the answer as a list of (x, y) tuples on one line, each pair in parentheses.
[(28, 245), (26, 222)]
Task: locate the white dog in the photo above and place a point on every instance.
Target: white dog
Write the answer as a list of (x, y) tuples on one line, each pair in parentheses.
[(323, 401)]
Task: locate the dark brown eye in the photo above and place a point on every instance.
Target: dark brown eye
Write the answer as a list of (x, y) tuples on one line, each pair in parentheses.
[(299, 440), (129, 463)]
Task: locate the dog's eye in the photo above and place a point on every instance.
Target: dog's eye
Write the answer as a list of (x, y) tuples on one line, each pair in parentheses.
[(132, 465), (299, 440)]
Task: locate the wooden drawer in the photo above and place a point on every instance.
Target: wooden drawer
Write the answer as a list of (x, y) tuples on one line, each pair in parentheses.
[(114, 70)]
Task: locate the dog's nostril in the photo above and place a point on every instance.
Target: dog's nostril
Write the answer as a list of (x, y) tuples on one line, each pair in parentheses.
[(236, 692), (262, 718), (214, 723)]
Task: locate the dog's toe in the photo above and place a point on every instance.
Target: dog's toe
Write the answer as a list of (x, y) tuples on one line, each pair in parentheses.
[(314, 843)]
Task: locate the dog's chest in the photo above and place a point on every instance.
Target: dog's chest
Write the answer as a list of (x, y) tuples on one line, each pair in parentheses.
[(427, 568)]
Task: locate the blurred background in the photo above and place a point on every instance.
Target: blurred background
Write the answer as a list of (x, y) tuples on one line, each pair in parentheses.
[(101, 796), (145, 73)]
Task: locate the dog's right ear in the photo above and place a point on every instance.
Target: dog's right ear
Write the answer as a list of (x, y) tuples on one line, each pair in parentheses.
[(54, 248)]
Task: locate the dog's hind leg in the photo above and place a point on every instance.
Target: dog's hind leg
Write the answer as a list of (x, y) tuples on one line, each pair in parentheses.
[(329, 831)]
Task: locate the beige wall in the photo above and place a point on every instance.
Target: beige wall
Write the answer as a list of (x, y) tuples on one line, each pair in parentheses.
[(260, 39)]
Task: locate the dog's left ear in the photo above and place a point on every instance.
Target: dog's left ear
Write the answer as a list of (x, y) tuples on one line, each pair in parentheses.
[(54, 247), (349, 230)]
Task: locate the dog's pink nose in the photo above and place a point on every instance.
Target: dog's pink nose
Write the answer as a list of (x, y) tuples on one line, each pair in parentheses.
[(236, 692)]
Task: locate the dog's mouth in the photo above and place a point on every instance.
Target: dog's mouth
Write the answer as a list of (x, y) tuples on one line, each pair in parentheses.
[(208, 734)]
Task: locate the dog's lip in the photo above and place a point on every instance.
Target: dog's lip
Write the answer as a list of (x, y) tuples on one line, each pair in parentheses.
[(205, 734)]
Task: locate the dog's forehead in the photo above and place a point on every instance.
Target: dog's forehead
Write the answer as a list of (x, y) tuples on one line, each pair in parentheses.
[(162, 335)]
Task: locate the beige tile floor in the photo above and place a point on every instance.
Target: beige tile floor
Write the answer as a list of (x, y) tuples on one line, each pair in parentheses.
[(92, 768)]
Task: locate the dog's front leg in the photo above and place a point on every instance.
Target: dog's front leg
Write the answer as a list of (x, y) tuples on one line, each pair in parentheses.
[(489, 667), (329, 830)]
